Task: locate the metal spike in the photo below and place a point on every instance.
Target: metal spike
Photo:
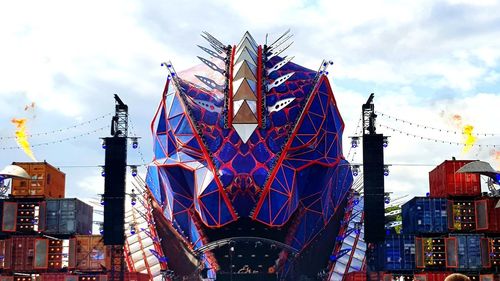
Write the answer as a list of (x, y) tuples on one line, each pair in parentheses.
[(212, 53), (279, 105), (210, 83), (279, 38), (280, 43), (214, 40), (213, 45), (212, 65), (279, 65), (280, 80), (279, 51)]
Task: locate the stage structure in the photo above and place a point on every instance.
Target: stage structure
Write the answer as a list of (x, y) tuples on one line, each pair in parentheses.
[(249, 181)]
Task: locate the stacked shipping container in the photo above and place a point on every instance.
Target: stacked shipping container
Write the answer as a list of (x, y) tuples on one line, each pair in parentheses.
[(46, 234), (454, 230)]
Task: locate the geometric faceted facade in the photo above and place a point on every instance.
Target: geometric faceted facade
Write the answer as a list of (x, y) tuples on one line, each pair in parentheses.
[(249, 139)]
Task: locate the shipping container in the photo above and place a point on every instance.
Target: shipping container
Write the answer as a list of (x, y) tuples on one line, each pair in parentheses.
[(88, 253), (55, 255), (68, 216), (444, 181), (355, 276), (6, 278), (461, 215), (431, 276), (52, 277), (463, 251), (487, 216), (46, 181), (26, 253), (133, 276), (430, 253), (490, 252), (400, 252), (30, 217), (425, 215)]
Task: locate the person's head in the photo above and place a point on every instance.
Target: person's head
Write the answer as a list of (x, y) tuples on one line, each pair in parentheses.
[(457, 277)]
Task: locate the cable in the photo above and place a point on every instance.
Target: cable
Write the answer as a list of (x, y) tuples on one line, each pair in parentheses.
[(355, 133), (61, 130), (436, 140), (59, 140), (430, 127), (132, 131)]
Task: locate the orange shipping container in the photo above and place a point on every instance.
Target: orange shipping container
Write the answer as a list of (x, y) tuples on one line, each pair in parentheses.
[(46, 181), (444, 181), (88, 253)]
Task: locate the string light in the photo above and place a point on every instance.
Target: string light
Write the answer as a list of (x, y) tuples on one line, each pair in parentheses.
[(58, 140), (435, 140), (61, 130), (430, 127)]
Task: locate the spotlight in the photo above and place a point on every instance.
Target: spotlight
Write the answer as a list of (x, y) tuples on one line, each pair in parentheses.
[(133, 196), (354, 142), (134, 170), (387, 198), (132, 228), (357, 227), (385, 141), (355, 170), (101, 229), (135, 143), (386, 170), (103, 172), (103, 144), (102, 200)]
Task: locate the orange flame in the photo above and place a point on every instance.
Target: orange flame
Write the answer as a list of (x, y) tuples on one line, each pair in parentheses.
[(22, 137), (469, 139)]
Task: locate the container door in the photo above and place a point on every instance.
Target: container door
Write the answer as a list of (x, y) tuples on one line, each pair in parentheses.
[(7, 261), (71, 278), (485, 252), (451, 248), (9, 220), (42, 216), (41, 254), (72, 253), (419, 253), (481, 214)]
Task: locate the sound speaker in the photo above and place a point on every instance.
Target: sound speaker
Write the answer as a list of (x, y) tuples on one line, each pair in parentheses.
[(114, 190), (373, 175)]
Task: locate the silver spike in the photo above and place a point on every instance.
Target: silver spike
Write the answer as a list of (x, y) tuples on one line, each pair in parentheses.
[(210, 83), (279, 38), (279, 105), (279, 51), (270, 49), (213, 45), (214, 40), (279, 65), (212, 65), (212, 53), (280, 80)]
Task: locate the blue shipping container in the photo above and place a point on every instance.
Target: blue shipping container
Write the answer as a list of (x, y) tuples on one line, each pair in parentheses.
[(399, 252), (464, 251), (68, 216), (425, 215)]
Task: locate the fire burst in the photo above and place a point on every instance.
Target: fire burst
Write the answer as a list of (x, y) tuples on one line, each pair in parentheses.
[(469, 139), (22, 137)]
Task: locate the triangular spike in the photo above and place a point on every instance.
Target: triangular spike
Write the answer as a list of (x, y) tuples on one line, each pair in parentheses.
[(244, 115), (246, 42), (244, 71), (246, 49), (279, 65), (212, 53), (210, 83), (253, 106), (244, 89), (245, 131), (245, 55), (280, 80), (212, 65)]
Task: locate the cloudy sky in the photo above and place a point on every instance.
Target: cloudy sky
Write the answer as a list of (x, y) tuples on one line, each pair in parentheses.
[(426, 61)]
